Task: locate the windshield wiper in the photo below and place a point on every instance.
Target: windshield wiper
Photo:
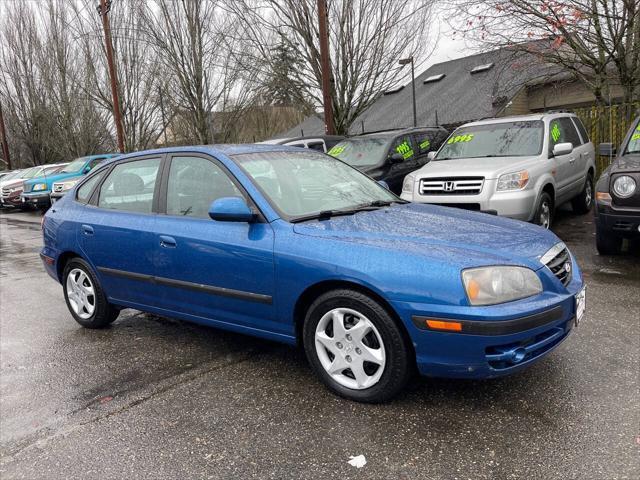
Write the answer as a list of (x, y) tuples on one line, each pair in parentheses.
[(323, 215)]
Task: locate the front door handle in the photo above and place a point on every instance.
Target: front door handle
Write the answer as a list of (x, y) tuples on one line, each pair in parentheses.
[(87, 229), (167, 241), (572, 159)]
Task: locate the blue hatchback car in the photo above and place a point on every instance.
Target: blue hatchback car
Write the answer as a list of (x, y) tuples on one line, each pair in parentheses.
[(296, 246)]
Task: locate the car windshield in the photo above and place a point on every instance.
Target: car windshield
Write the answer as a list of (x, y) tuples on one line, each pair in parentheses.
[(361, 151), (634, 142), (506, 139), (305, 184), (74, 166)]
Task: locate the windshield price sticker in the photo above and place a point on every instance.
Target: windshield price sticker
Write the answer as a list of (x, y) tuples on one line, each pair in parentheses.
[(337, 150), (405, 150), (460, 138), (555, 132)]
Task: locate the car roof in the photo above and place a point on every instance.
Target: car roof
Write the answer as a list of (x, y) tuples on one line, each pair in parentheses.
[(399, 131), (520, 118)]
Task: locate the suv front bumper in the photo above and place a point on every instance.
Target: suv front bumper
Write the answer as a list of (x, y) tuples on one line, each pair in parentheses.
[(39, 199), (518, 204), (620, 221)]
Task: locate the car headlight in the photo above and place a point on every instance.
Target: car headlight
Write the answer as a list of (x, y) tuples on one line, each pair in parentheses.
[(39, 186), (407, 185), (500, 284), (68, 185), (624, 186), (513, 181)]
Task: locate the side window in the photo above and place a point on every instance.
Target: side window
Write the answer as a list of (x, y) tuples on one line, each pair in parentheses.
[(317, 146), (94, 162), (130, 186), (429, 141), (581, 129), (561, 130), (195, 182), (84, 192), (404, 147)]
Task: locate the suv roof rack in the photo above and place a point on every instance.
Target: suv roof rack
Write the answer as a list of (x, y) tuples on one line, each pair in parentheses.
[(559, 110), (401, 129)]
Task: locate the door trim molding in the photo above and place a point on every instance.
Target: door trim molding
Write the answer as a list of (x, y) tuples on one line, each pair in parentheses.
[(198, 287)]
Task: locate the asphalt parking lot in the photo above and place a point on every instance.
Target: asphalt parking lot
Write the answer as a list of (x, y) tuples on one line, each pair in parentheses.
[(158, 398)]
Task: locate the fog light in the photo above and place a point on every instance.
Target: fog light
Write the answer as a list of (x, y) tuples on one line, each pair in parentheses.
[(518, 355)]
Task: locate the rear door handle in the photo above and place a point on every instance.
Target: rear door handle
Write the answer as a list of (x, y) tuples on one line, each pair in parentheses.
[(167, 241), (87, 229)]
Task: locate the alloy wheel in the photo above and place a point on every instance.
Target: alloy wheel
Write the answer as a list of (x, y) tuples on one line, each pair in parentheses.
[(81, 293), (545, 215), (350, 348)]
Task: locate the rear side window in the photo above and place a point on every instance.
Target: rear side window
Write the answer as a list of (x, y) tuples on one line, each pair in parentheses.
[(581, 129), (317, 146), (130, 186), (194, 183), (562, 130), (84, 192)]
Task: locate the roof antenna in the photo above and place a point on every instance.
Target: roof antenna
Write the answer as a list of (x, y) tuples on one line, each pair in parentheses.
[(362, 123)]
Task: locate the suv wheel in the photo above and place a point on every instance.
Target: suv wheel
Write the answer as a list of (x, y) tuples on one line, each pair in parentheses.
[(584, 201), (355, 347), (607, 243), (84, 296), (544, 212)]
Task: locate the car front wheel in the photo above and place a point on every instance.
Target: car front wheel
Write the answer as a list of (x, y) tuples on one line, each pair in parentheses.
[(84, 296), (355, 347)]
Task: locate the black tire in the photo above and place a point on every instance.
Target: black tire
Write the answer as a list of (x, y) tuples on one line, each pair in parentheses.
[(545, 206), (399, 362), (584, 201), (607, 242), (104, 313)]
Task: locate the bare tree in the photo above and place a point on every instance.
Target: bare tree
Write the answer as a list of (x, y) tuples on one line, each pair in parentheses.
[(367, 38), (587, 38)]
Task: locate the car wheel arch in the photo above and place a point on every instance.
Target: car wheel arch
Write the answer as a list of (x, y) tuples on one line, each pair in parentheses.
[(62, 261), (308, 296)]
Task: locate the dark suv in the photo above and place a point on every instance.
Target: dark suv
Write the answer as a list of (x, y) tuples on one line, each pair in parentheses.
[(391, 154), (617, 211)]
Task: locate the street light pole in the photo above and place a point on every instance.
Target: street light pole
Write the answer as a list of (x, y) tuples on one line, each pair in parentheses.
[(103, 9), (405, 61)]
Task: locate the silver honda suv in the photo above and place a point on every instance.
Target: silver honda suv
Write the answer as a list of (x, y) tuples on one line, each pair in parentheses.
[(520, 167)]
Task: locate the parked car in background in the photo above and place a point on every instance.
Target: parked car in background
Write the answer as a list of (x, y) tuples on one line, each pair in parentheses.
[(11, 190), (296, 246), (390, 155), (321, 143), (617, 212), (40, 192), (6, 173), (521, 167)]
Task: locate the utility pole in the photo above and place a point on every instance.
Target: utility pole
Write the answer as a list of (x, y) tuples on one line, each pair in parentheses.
[(406, 61), (3, 140), (103, 9), (325, 62)]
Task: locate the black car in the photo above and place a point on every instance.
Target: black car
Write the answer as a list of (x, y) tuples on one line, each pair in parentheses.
[(321, 143), (617, 212), (390, 155)]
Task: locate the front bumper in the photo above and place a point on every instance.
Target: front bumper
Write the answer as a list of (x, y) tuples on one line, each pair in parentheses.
[(11, 200), (619, 221), (38, 199), (519, 204), (496, 340)]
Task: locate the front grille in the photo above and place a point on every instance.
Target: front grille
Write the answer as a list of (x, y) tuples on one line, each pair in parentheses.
[(57, 187), (623, 226), (451, 186), (558, 260)]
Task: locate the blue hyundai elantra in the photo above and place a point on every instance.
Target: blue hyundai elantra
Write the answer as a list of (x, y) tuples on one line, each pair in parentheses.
[(296, 246)]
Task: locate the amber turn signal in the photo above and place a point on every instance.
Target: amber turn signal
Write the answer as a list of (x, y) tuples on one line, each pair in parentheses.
[(442, 325), (603, 196)]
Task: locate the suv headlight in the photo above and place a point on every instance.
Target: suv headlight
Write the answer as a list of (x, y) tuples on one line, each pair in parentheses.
[(500, 284), (513, 181), (39, 186), (407, 185), (69, 185), (624, 186)]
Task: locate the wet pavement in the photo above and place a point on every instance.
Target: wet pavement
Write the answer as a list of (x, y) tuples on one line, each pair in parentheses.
[(158, 398)]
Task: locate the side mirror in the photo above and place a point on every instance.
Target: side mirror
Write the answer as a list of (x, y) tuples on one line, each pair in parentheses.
[(231, 209), (383, 184), (560, 149), (396, 158), (607, 150), (431, 155)]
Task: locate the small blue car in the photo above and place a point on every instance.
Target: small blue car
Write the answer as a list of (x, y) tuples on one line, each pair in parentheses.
[(37, 190), (295, 246)]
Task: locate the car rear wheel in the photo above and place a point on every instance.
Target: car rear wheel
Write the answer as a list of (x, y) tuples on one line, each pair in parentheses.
[(544, 212), (84, 296), (355, 347), (583, 202), (607, 243)]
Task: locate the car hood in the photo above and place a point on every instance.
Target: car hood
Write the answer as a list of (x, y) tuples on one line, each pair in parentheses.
[(11, 183), (489, 168), (627, 163), (49, 179), (441, 233)]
